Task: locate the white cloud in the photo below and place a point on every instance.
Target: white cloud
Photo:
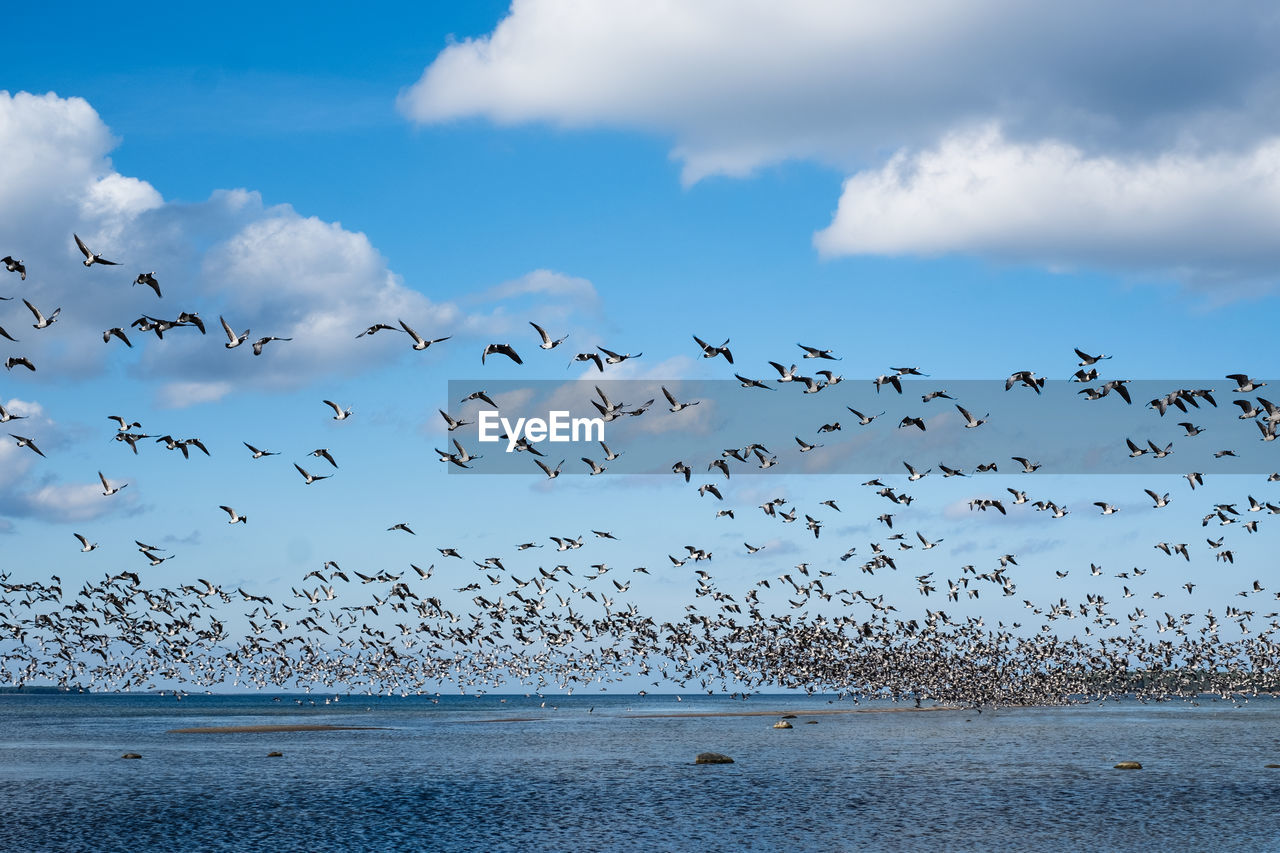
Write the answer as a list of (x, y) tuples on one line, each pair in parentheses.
[(742, 84), (70, 502), (545, 282), (265, 268), (1114, 148), (1202, 217), (179, 395)]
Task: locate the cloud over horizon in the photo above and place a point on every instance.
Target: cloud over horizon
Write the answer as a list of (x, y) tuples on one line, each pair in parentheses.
[(1092, 95)]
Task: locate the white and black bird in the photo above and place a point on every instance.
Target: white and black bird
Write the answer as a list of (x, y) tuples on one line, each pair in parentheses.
[(339, 413), (107, 489), (233, 340), (262, 342), (1087, 360), (236, 518), (91, 258), (676, 405), (814, 352), (117, 332), (309, 477), (500, 349), (593, 357), (1243, 383), (23, 441), (709, 351), (85, 545), (14, 266), (451, 422), (258, 454), (551, 473), (884, 379), (149, 279), (612, 357), (323, 453), (970, 422), (419, 342), (42, 322), (547, 342), (479, 395)]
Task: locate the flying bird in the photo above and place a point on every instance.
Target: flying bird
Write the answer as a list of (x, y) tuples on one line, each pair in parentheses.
[(310, 478), (233, 340), (107, 489), (708, 351), (339, 413), (116, 332), (91, 258), (42, 322), (547, 342), (500, 349), (236, 518), (26, 442), (149, 279), (419, 342), (14, 266), (262, 342)]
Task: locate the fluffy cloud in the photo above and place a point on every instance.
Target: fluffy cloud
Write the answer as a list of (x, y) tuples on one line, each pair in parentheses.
[(265, 268), (1199, 217), (1140, 136), (740, 84)]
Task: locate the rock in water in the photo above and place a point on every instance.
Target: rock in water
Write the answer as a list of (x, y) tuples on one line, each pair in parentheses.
[(1128, 765), (782, 724), (1272, 766), (131, 755), (275, 755), (712, 758)]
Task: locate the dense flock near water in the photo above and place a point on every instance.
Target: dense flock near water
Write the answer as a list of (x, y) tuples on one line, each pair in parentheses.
[(554, 613)]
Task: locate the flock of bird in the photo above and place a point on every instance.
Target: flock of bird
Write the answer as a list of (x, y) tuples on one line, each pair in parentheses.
[(826, 624)]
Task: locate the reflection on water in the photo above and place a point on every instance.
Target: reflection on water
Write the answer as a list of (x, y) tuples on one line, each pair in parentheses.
[(583, 775)]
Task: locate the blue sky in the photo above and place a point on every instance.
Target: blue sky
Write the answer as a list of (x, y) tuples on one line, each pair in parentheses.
[(968, 188)]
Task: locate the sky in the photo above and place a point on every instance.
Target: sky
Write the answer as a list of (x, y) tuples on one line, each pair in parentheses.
[(973, 188)]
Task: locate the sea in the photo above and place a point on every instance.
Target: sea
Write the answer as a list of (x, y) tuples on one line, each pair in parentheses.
[(617, 773)]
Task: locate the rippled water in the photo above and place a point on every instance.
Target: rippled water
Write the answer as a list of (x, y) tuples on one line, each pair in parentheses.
[(446, 777)]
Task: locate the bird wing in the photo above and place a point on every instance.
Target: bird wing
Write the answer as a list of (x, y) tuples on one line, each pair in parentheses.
[(412, 333), (85, 250), (542, 333)]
